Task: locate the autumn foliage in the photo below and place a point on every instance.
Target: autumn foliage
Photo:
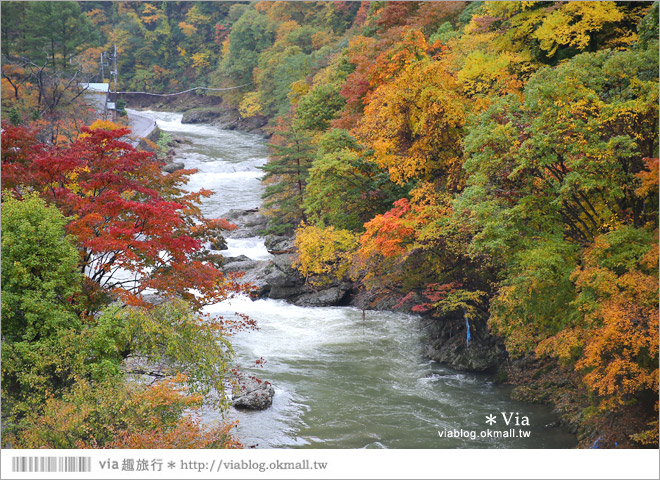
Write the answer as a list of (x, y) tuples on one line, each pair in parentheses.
[(135, 226), (86, 223), (325, 253), (115, 416), (492, 164), (522, 141)]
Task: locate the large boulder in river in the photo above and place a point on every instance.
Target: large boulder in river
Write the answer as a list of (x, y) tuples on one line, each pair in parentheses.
[(276, 277), (254, 394), (202, 115), (240, 263), (220, 243), (279, 244), (251, 223), (285, 282), (173, 167)]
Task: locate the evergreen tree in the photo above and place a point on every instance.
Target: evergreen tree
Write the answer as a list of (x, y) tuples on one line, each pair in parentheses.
[(55, 32), (286, 177)]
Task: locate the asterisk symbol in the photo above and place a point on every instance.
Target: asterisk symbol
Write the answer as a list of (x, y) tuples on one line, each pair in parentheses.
[(171, 465), (490, 419)]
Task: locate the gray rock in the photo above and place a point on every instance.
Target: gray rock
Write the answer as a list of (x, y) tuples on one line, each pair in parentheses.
[(200, 116), (251, 223), (281, 292), (254, 394), (259, 277), (284, 280), (240, 258), (220, 244), (141, 365), (256, 273), (284, 263), (153, 299), (243, 232), (239, 264), (329, 296), (279, 244), (446, 343), (181, 141), (173, 167), (235, 213), (255, 123), (276, 278), (230, 119), (256, 219)]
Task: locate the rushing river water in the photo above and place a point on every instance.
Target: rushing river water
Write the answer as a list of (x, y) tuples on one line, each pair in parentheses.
[(342, 381)]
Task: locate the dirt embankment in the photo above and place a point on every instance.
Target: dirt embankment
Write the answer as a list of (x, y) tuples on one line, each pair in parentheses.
[(175, 103)]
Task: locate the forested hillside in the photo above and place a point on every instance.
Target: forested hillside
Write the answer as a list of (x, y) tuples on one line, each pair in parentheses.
[(494, 163)]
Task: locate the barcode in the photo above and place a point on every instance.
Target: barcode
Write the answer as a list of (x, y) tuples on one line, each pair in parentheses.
[(51, 464)]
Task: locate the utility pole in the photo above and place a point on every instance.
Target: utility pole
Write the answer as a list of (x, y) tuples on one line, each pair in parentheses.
[(114, 58), (114, 62)]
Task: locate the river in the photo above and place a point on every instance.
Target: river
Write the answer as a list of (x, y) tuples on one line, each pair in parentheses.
[(342, 381)]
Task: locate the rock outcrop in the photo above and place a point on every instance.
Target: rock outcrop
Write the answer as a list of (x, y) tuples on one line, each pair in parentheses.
[(173, 167), (143, 370), (204, 115), (276, 278), (228, 119), (250, 223), (446, 342), (253, 394)]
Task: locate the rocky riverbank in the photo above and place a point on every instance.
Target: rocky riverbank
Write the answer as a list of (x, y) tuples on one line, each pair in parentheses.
[(445, 339), (447, 342), (276, 278)]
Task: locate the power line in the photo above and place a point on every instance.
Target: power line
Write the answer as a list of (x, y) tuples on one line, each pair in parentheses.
[(190, 90), (115, 74)]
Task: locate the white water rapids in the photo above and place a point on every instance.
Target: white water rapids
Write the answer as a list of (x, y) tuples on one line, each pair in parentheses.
[(341, 381)]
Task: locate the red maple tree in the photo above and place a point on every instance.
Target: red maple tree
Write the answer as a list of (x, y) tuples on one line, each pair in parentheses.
[(136, 227)]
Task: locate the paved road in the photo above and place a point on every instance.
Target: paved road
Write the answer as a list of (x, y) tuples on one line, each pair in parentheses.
[(140, 125)]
